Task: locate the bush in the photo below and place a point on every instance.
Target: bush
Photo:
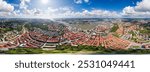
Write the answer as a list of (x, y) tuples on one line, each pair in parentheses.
[(114, 28), (24, 51)]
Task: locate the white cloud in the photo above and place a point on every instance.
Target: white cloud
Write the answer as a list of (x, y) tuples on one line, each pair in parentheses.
[(62, 11), (142, 9), (23, 4), (65, 12), (4, 14), (104, 13), (86, 1), (129, 10), (78, 1), (81, 1), (69, 12), (143, 6), (5, 7)]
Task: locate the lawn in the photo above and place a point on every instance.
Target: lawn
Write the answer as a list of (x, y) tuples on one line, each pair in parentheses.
[(75, 51)]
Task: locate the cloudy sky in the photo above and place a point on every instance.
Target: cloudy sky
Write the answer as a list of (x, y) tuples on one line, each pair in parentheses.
[(75, 8)]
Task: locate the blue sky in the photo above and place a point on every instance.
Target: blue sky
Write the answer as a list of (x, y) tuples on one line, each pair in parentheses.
[(74, 8), (116, 5)]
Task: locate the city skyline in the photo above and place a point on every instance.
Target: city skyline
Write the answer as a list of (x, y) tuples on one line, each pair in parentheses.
[(74, 8)]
